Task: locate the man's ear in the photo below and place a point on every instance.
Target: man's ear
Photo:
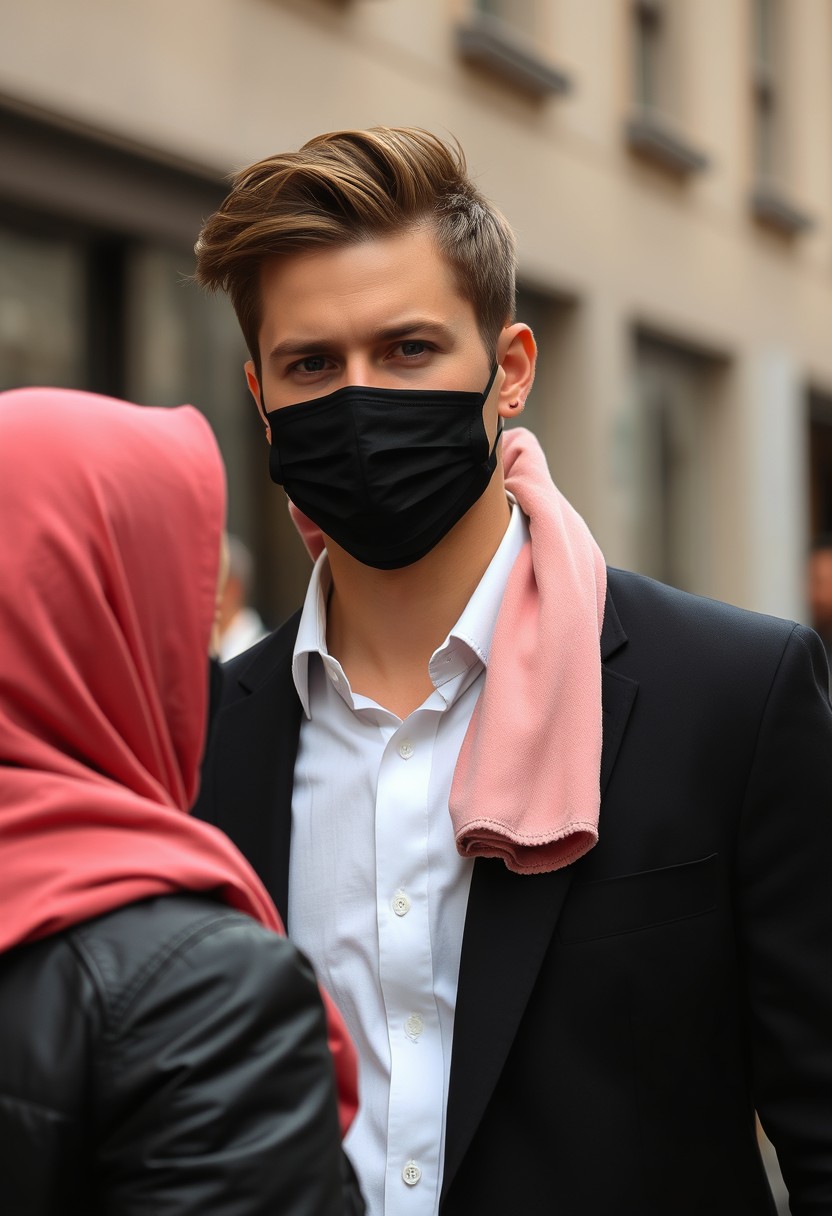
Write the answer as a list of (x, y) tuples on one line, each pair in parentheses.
[(254, 389), (517, 356)]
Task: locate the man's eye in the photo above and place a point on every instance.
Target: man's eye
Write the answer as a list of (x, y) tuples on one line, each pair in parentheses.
[(312, 363), (410, 349)]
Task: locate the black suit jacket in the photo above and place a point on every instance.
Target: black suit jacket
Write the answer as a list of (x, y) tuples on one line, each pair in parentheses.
[(619, 1020)]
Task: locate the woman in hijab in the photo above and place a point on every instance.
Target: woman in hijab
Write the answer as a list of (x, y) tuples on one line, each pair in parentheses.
[(162, 1047)]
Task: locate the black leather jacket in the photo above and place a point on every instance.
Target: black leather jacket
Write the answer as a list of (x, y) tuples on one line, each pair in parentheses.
[(169, 1057)]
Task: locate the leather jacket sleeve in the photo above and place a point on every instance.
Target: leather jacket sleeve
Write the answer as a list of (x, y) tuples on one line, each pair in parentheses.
[(214, 1086)]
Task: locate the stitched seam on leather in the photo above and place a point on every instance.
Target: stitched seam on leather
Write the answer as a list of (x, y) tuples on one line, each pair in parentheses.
[(89, 963), (190, 935)]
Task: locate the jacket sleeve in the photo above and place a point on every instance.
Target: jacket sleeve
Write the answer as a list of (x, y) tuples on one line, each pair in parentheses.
[(216, 1089), (785, 910)]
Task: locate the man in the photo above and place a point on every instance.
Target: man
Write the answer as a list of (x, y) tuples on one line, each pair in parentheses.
[(240, 624), (557, 1009), (820, 591)]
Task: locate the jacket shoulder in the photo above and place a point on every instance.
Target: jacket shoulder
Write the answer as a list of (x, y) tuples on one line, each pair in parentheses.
[(171, 1054), (213, 1076), (703, 653), (642, 604), (638, 591), (132, 948), (75, 1007)]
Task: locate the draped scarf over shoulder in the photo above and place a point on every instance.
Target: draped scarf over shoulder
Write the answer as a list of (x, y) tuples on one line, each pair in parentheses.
[(111, 518)]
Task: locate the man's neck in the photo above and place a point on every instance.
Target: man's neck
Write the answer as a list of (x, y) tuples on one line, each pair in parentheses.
[(384, 625)]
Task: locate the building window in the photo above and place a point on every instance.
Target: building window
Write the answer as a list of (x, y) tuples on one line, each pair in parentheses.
[(96, 253), (648, 37), (654, 130), (43, 306), (505, 38), (767, 144), (520, 13), (770, 201), (676, 535)]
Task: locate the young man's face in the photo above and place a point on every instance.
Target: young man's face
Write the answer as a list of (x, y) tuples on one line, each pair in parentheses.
[(383, 313)]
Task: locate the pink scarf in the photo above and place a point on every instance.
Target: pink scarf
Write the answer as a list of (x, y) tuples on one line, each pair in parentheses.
[(527, 783), (109, 547)]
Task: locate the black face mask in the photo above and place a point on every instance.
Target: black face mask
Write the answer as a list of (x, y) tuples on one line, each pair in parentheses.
[(385, 472)]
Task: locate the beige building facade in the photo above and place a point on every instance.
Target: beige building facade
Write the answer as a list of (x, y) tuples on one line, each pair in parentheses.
[(667, 165)]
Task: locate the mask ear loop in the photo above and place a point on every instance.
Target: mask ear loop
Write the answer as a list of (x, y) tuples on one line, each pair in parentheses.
[(491, 463), (492, 456), (490, 384)]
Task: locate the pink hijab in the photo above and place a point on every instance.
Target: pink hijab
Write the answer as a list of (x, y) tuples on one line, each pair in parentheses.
[(112, 516)]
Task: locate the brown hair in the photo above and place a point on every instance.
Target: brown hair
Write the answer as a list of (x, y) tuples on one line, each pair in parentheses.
[(349, 186)]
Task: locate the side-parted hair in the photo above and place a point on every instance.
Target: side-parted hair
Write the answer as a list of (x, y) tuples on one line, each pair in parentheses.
[(349, 186)]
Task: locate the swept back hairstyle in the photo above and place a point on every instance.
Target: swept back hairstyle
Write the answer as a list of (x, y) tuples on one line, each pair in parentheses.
[(346, 187)]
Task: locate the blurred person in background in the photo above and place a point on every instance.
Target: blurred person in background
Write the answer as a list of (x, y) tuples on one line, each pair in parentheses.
[(560, 836), (240, 624), (820, 591), (163, 1048)]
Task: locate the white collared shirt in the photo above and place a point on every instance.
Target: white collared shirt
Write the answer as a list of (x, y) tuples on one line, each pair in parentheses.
[(377, 890)]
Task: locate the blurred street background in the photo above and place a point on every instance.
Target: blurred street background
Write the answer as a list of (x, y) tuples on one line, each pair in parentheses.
[(667, 165)]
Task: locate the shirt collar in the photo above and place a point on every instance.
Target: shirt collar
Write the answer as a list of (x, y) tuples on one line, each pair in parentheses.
[(475, 628), (468, 643), (311, 637)]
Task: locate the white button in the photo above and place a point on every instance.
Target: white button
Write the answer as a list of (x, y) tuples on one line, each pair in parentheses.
[(333, 675), (406, 749), (411, 1173), (401, 904), (414, 1026)]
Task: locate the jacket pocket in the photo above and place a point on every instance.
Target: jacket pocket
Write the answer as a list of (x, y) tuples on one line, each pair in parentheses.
[(625, 904)]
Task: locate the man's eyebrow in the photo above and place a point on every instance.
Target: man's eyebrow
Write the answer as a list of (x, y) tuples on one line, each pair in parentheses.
[(421, 325), (301, 346), (309, 346)]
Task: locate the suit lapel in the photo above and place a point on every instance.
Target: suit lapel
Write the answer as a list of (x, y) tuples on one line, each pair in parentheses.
[(509, 925), (618, 692)]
